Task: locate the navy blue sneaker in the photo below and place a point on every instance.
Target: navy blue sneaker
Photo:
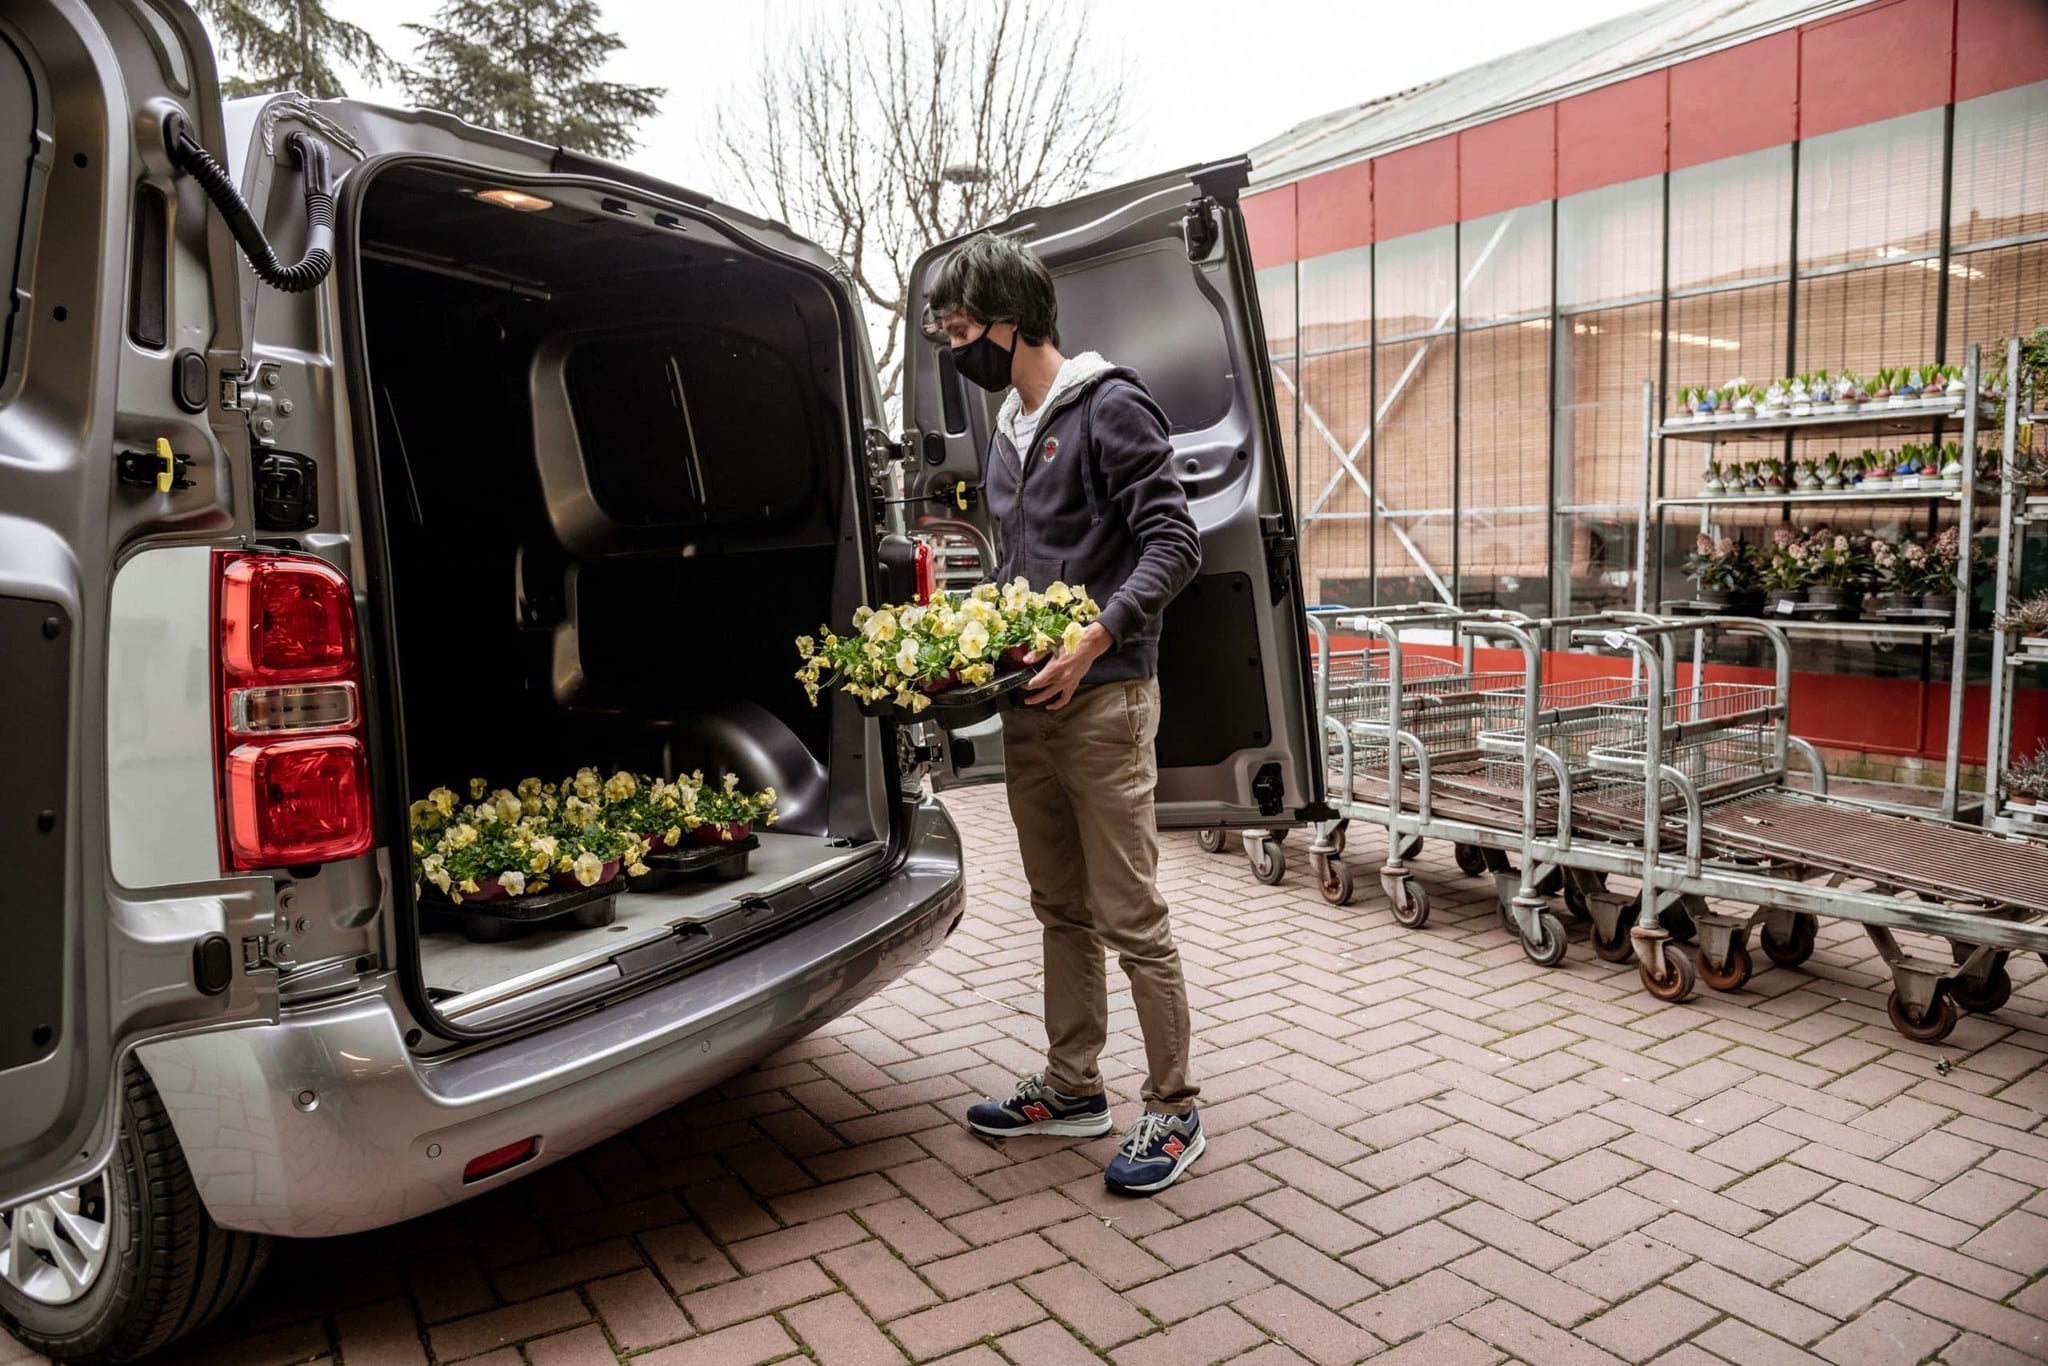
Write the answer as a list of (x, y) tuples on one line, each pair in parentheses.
[(1155, 1152), (1038, 1109)]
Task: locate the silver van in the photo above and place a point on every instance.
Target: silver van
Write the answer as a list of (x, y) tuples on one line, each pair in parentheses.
[(347, 450)]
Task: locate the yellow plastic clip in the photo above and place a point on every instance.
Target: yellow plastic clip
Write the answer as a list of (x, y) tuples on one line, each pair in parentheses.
[(166, 476), (960, 495)]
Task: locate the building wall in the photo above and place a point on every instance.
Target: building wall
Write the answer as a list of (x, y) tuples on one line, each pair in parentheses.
[(1462, 328)]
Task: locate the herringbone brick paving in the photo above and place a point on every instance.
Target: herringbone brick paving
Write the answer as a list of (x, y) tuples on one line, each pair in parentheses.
[(1422, 1148)]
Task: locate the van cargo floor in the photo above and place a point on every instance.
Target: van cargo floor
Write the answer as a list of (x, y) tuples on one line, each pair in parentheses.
[(454, 967)]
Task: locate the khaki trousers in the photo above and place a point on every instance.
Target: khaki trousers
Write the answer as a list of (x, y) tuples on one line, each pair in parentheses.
[(1081, 784)]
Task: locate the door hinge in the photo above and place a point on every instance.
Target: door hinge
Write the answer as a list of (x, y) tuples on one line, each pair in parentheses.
[(258, 395), (1281, 545), (260, 952)]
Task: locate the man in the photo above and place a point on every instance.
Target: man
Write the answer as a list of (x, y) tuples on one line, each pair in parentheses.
[(1081, 490)]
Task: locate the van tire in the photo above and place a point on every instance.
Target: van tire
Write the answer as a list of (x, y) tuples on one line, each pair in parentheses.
[(169, 1268)]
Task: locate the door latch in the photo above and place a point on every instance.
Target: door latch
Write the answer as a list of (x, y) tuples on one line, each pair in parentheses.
[(1198, 228), (162, 468)]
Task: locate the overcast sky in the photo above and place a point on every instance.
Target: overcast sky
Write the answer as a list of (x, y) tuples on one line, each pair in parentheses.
[(1207, 78)]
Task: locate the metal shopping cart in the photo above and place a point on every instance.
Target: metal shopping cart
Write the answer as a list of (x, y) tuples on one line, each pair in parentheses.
[(1702, 771)]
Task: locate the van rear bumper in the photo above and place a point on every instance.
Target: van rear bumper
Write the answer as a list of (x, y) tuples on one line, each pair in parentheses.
[(327, 1124)]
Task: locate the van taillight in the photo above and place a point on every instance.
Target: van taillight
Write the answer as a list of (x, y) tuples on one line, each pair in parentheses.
[(927, 573), (294, 775)]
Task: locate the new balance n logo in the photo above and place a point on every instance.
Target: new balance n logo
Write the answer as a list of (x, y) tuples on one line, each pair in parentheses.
[(1037, 1112)]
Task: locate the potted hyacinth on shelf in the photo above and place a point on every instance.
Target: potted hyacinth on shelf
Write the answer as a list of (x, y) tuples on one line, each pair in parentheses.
[(1726, 572), (1772, 478), (1800, 397), (1745, 402), (1881, 388), (1807, 476), (1846, 391), (2025, 780), (1776, 402), (1786, 573), (1878, 469), (2029, 622), (1712, 485), (1841, 571), (1831, 476)]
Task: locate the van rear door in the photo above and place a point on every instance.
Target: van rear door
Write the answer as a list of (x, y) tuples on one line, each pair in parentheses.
[(119, 287), (1157, 276)]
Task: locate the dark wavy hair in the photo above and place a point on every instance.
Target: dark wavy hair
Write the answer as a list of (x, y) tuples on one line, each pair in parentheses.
[(995, 280)]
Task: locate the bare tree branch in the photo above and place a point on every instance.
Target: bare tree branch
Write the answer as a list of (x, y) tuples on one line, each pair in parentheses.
[(888, 125)]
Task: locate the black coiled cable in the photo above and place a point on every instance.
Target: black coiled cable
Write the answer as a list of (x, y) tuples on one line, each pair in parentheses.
[(311, 154)]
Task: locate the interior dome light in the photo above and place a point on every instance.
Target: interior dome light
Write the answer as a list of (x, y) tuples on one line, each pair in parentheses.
[(516, 199)]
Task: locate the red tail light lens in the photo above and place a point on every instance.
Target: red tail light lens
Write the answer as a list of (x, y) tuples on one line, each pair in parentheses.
[(294, 776), (286, 619), (298, 801), (927, 574)]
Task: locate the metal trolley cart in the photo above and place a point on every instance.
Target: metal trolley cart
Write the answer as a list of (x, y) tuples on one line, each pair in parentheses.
[(1438, 748), (1704, 772)]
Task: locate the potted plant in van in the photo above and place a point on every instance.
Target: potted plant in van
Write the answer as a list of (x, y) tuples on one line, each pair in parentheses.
[(726, 815), (1784, 575), (1841, 571), (1726, 572)]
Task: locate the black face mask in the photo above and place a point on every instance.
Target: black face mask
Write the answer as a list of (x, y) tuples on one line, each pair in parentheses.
[(985, 363)]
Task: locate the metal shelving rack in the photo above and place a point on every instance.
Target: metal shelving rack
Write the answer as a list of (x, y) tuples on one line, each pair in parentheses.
[(1885, 423), (2015, 514)]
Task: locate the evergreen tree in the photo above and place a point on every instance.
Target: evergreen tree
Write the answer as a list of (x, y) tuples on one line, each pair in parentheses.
[(291, 45), (528, 67)]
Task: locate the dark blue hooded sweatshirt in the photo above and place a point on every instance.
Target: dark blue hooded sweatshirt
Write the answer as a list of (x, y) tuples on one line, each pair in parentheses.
[(1094, 504)]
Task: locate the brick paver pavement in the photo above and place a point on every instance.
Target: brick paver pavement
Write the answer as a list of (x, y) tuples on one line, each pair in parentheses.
[(1422, 1148)]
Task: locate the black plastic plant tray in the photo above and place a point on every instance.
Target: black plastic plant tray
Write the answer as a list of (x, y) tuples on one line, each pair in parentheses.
[(722, 861), (958, 707), (493, 922)]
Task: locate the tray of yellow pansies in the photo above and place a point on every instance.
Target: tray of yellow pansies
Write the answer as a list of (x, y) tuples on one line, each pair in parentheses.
[(557, 854), (955, 658)]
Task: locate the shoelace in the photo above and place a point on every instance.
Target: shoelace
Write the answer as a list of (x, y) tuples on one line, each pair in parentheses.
[(1148, 1128), (1031, 1087)]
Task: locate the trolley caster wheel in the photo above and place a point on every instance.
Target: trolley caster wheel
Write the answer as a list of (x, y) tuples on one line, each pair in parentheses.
[(1618, 949), (1790, 953), (1735, 976), (1933, 1027), (1471, 859), (1677, 982), (1210, 841), (1411, 849), (1548, 949), (1335, 882), (1280, 835), (1679, 925), (1269, 861), (1411, 906), (1995, 992), (1552, 884), (1575, 902), (1339, 837)]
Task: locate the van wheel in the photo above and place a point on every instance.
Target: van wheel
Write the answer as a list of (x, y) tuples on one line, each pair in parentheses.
[(113, 1270)]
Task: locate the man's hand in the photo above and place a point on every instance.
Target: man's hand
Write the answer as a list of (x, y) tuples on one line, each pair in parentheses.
[(1054, 684)]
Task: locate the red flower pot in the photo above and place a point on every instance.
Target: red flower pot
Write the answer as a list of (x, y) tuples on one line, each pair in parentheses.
[(491, 890), (1019, 655), (732, 832), (656, 843), (938, 685)]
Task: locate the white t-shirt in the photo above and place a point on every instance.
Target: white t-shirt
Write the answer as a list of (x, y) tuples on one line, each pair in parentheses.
[(1025, 427)]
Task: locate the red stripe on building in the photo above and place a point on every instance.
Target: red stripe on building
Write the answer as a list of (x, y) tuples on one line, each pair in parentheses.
[(1415, 188), (1739, 100), (1334, 211), (1612, 134), (1269, 223), (1874, 63), (1508, 163), (2000, 44)]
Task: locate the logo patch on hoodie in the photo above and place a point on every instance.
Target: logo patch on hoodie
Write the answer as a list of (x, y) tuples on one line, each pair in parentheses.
[(1052, 447)]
